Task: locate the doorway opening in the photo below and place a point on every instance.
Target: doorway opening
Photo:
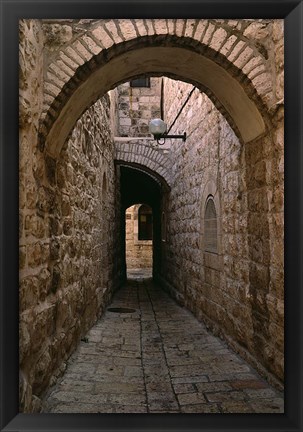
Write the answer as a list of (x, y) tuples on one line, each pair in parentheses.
[(139, 241)]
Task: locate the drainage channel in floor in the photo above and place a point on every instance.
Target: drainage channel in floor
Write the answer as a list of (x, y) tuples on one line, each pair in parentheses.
[(121, 310)]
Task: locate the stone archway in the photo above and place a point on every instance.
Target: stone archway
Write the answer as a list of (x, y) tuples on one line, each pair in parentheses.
[(224, 63), (148, 160)]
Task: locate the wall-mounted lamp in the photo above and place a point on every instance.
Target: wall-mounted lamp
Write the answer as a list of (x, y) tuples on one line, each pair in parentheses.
[(157, 128)]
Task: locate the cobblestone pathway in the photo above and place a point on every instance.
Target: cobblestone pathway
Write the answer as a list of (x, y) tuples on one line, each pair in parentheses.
[(158, 359)]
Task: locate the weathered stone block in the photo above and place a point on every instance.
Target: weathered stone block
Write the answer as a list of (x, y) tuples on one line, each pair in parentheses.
[(201, 27), (160, 26), (280, 86), (256, 31), (259, 277), (127, 29), (277, 282), (257, 200), (31, 195), (55, 227), (244, 57), (258, 225), (228, 45), (24, 341), (81, 50), (56, 35), (278, 30), (65, 206), (260, 250), (44, 280), (263, 83), (56, 278), (208, 34), (50, 169), (45, 200), (277, 251), (212, 277), (22, 256), (218, 39), (42, 372), (54, 249), (277, 199), (25, 394), (34, 225), (29, 292), (34, 253), (67, 227)]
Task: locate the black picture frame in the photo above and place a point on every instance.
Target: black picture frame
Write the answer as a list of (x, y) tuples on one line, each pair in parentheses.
[(11, 11)]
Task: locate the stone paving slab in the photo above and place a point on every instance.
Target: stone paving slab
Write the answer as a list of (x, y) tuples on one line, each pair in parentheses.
[(157, 359)]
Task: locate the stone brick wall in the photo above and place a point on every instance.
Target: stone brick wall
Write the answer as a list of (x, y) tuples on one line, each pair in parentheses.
[(32, 248), (67, 226), (137, 106), (138, 252), (67, 275), (237, 290)]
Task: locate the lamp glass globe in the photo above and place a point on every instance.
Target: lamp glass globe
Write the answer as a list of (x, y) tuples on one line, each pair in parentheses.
[(157, 126)]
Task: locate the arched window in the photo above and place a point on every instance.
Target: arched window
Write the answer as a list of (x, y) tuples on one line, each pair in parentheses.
[(145, 223), (140, 82), (210, 226)]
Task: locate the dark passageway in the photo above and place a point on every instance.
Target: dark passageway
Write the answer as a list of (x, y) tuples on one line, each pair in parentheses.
[(138, 185)]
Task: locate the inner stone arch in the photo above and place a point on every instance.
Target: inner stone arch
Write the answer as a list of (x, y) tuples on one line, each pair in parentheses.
[(191, 66), (162, 181)]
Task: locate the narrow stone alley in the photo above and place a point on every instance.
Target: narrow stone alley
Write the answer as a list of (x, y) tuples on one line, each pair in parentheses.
[(149, 355), (150, 143)]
